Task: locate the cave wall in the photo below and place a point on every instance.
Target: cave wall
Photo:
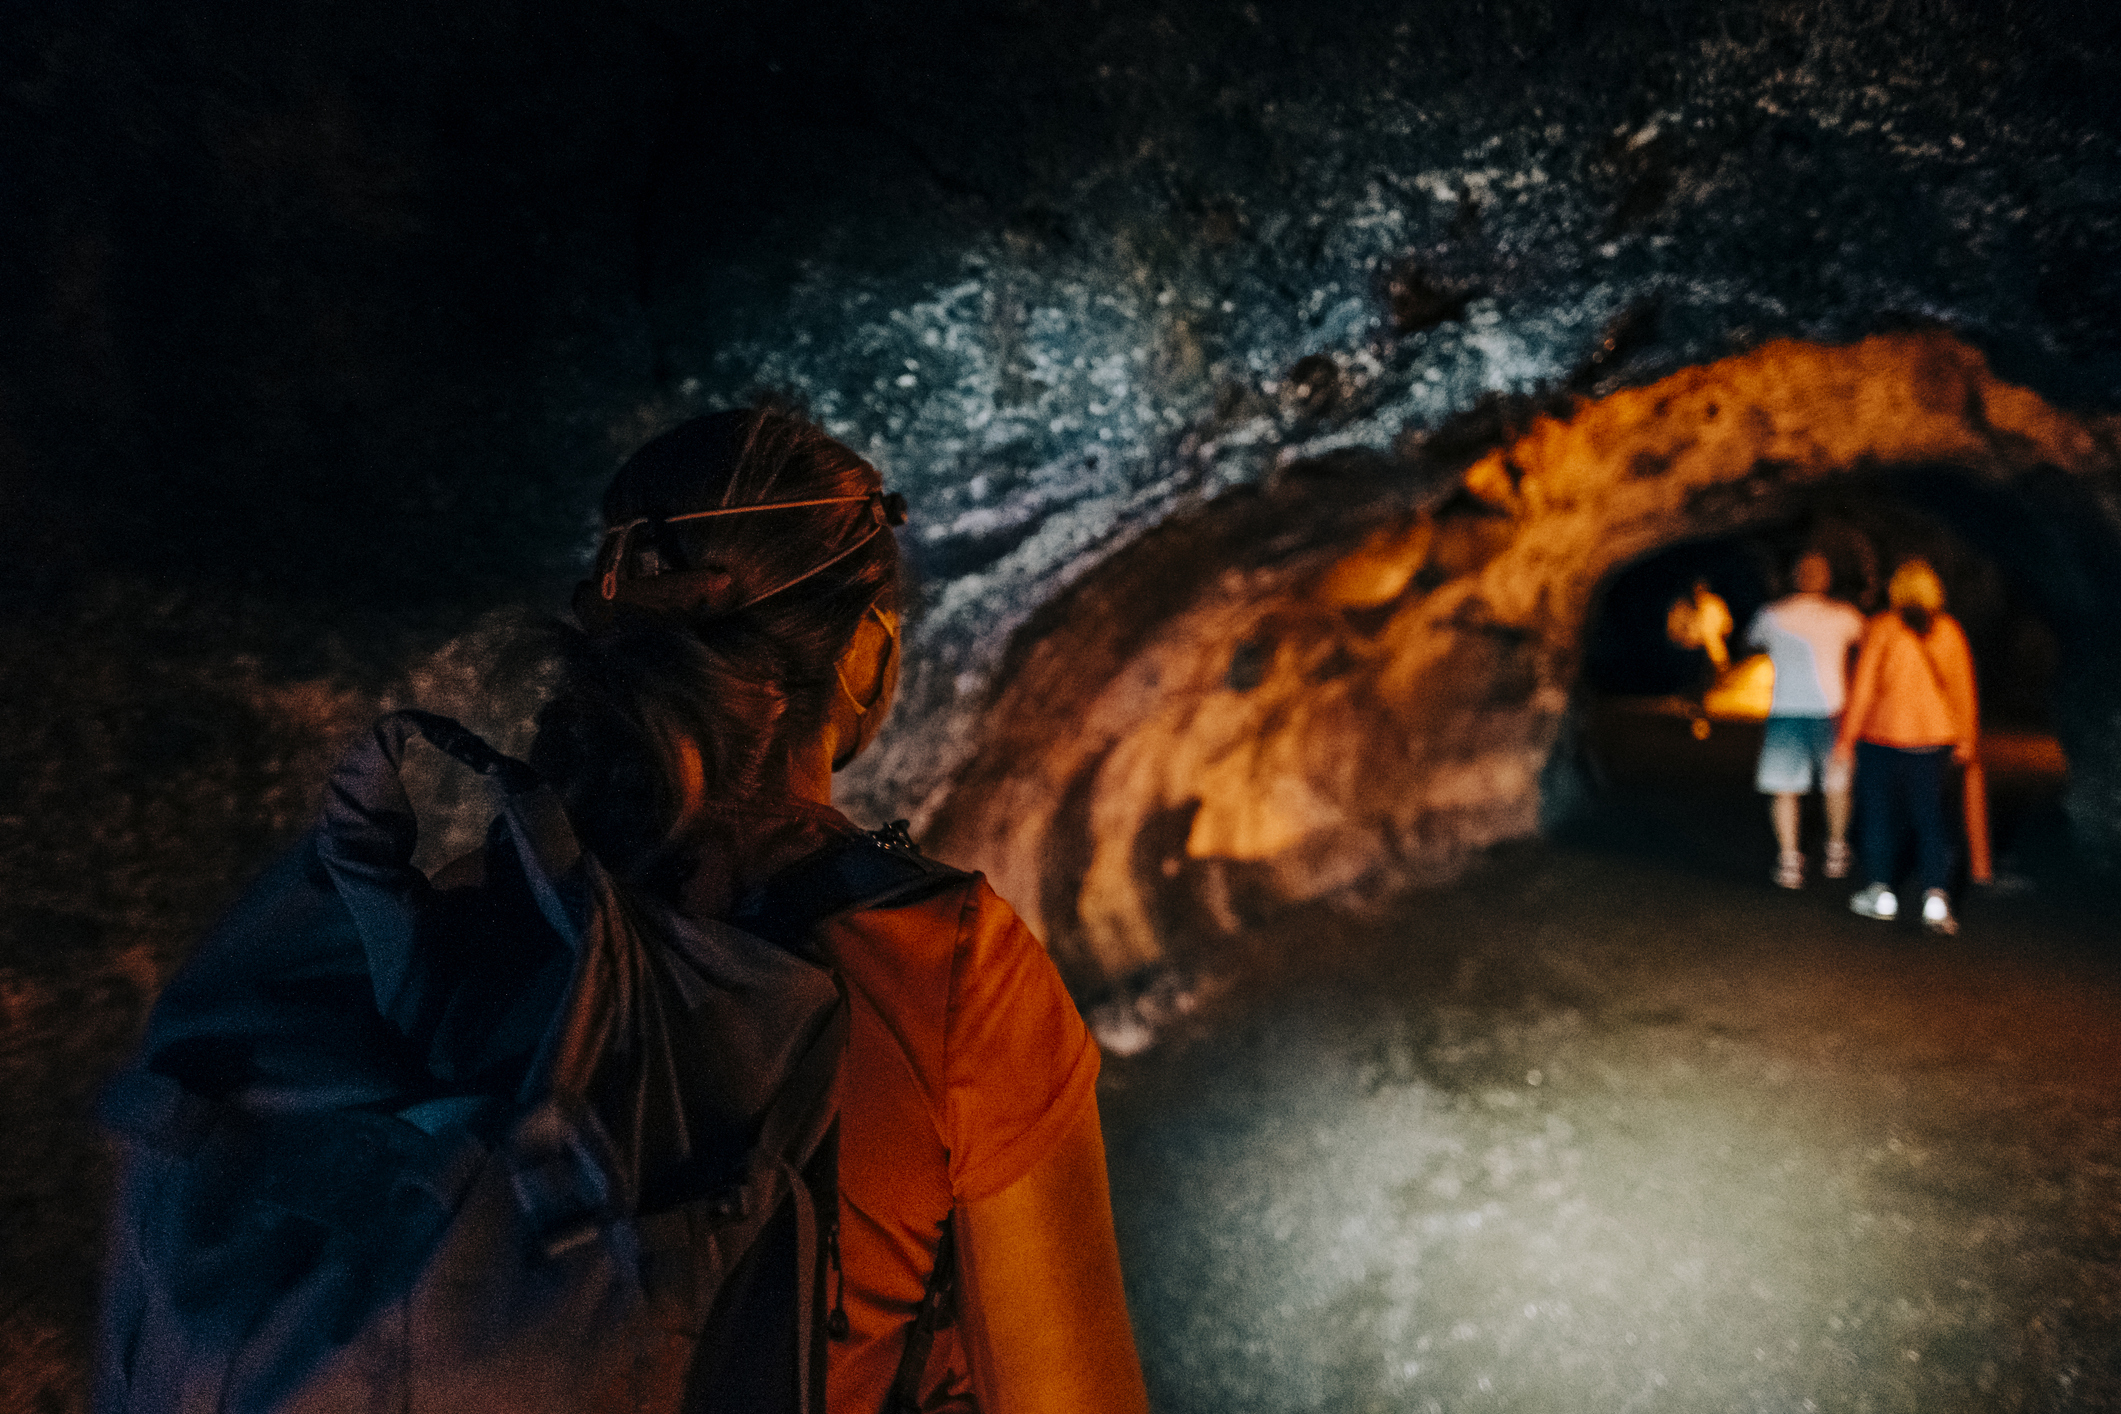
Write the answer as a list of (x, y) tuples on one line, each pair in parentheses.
[(1344, 683)]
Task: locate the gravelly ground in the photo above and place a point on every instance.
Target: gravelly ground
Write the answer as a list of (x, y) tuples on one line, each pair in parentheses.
[(1613, 1125)]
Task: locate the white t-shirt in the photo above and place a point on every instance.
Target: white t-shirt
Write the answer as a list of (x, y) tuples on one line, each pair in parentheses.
[(1807, 637)]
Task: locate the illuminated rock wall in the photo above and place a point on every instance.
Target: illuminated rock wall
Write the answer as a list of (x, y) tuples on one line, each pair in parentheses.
[(1342, 684)]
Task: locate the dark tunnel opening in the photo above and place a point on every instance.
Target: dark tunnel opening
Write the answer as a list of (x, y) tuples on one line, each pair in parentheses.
[(2021, 574), (2024, 596), (1348, 696)]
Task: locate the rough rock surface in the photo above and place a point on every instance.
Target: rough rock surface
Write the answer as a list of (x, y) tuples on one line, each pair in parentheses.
[(353, 307), (1343, 684), (325, 322)]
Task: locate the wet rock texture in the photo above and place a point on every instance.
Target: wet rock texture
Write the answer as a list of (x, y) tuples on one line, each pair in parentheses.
[(1346, 682)]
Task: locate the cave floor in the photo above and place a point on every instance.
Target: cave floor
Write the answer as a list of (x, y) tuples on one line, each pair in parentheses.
[(1612, 1124)]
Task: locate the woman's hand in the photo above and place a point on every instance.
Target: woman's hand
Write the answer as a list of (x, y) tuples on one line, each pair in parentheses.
[(1040, 1298)]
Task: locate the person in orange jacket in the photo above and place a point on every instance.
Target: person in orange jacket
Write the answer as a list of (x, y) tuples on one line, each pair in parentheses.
[(1912, 713)]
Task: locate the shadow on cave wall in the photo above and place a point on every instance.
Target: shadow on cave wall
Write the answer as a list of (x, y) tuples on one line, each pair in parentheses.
[(1343, 684)]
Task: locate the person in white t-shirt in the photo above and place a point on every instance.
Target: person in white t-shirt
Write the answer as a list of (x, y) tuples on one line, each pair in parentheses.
[(1808, 636)]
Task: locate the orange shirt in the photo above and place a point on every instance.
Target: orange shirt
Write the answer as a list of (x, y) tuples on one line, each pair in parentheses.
[(966, 1064), (1898, 699)]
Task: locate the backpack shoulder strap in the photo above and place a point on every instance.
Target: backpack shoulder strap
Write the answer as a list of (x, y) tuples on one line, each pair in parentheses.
[(871, 870), (880, 868)]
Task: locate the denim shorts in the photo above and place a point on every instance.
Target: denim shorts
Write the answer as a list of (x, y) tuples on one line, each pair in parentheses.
[(1797, 754)]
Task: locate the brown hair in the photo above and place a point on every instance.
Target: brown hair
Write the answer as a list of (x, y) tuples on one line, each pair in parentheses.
[(715, 616)]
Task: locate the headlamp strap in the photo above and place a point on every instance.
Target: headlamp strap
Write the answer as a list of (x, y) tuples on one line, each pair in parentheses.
[(887, 508)]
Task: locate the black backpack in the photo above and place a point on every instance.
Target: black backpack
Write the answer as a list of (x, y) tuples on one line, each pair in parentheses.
[(537, 1146)]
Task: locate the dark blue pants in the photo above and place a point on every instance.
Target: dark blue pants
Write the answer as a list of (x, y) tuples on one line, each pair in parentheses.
[(1898, 791)]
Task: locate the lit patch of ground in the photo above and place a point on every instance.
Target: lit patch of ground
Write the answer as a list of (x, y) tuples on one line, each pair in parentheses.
[(1614, 1125)]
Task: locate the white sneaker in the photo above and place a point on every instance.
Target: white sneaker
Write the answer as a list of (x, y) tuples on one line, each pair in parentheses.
[(1937, 913), (1875, 901)]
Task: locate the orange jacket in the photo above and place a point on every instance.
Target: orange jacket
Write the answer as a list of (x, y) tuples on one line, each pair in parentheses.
[(1913, 692)]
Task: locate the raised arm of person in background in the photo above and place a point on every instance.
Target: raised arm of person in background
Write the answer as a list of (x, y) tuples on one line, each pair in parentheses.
[(1041, 1301)]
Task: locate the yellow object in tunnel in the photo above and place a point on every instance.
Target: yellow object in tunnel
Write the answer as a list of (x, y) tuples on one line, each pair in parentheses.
[(1745, 689)]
